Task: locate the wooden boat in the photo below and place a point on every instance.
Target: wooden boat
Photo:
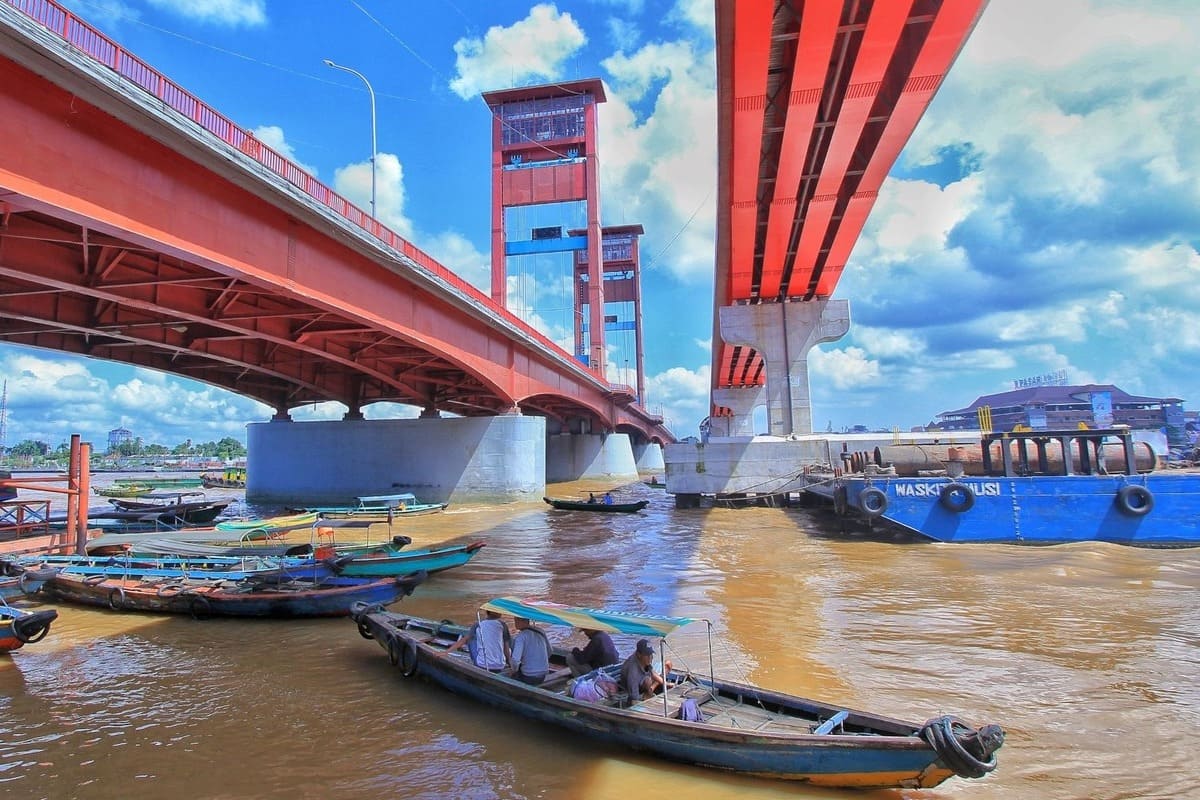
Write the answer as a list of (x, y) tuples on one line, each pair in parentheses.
[(597, 506), (231, 478), (229, 538), (160, 483), (169, 508), (374, 561), (379, 507), (20, 581), (387, 560), (327, 597), (742, 728), (19, 626), (123, 490)]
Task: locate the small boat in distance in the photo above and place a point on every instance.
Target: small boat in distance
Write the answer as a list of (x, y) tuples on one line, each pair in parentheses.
[(170, 508), (564, 504), (378, 507), (231, 478), (697, 719)]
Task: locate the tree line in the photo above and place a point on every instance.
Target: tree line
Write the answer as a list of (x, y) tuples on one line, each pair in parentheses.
[(225, 449)]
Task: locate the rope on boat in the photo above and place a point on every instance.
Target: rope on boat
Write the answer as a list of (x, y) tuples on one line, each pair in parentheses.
[(968, 752)]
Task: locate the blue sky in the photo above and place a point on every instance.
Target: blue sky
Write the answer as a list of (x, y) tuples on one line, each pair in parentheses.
[(1043, 217)]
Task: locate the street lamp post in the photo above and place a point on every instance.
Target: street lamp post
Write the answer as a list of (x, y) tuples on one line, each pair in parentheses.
[(374, 149)]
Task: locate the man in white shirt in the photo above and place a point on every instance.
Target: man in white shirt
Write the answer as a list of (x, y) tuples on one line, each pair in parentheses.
[(488, 642)]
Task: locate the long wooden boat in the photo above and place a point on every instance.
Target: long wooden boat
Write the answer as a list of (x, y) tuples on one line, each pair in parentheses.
[(742, 728), (19, 626), (599, 507), (169, 508), (379, 507), (376, 561), (386, 560), (20, 581), (328, 597)]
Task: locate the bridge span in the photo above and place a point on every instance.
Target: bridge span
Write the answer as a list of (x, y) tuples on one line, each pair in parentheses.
[(815, 102), (139, 225)]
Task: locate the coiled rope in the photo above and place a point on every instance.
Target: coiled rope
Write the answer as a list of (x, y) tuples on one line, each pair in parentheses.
[(966, 751)]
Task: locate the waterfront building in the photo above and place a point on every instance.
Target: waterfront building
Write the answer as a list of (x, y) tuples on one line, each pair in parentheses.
[(117, 437), (1063, 407)]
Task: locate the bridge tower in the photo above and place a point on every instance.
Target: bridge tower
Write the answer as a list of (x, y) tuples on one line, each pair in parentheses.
[(544, 183)]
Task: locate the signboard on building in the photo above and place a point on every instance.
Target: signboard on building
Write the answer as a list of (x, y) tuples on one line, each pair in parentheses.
[(1057, 378), (1102, 413)]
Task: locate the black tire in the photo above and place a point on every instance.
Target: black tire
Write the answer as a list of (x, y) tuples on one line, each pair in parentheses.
[(364, 630), (199, 606), (1135, 500), (408, 658), (113, 602), (872, 501), (957, 497), (94, 580), (170, 590), (393, 650)]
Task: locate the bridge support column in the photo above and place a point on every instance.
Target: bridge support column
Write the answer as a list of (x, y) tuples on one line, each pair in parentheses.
[(783, 333), (468, 459), (574, 456), (649, 457), (741, 402)]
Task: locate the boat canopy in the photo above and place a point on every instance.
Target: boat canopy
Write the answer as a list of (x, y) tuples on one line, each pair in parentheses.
[(594, 619)]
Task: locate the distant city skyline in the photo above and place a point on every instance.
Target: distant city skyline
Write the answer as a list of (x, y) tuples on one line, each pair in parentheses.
[(1043, 217)]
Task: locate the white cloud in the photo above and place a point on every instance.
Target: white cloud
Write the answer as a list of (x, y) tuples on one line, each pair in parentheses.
[(272, 136), (249, 13), (353, 182), (659, 165), (530, 50), (681, 396)]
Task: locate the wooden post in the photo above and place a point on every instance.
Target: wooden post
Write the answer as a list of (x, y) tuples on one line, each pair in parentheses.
[(73, 491), (85, 481)]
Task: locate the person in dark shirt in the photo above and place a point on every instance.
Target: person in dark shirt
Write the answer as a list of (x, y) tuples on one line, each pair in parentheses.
[(599, 652), (638, 678)]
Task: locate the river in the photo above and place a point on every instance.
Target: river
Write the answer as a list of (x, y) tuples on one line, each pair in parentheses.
[(1088, 655)]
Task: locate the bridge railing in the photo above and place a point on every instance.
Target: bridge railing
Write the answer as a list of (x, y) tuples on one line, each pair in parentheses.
[(94, 44)]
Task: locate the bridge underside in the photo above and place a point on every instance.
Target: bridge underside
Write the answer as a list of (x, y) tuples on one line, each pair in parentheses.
[(129, 233), (816, 100)]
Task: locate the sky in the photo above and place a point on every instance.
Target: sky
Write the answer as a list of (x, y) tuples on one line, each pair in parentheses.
[(1044, 216)]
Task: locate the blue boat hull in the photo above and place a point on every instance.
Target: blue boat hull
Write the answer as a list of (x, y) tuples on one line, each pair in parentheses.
[(1151, 510), (884, 753), (332, 597)]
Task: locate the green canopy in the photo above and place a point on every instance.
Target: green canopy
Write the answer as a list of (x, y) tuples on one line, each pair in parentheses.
[(611, 621)]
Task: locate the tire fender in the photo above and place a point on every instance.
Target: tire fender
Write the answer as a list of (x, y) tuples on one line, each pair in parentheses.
[(956, 497), (873, 501)]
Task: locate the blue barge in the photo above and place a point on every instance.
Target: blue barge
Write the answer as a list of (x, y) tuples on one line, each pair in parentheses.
[(1033, 487)]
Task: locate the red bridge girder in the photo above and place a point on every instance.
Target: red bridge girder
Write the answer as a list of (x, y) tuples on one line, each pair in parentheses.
[(126, 235), (816, 99)]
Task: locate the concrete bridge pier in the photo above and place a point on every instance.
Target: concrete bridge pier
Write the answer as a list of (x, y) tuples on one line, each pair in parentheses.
[(783, 333), (741, 402), (575, 456), (462, 459), (648, 456)]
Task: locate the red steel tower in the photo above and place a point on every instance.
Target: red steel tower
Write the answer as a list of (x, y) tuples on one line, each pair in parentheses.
[(544, 152)]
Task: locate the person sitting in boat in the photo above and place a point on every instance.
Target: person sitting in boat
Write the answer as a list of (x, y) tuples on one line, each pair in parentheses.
[(638, 677), (530, 653), (488, 641), (599, 652), (608, 498), (591, 497)]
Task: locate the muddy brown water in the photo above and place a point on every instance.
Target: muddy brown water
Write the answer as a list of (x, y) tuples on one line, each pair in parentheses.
[(1088, 655)]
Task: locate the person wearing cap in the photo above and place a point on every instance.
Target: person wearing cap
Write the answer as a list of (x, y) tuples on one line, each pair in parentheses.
[(638, 677), (600, 652), (488, 642), (530, 653)]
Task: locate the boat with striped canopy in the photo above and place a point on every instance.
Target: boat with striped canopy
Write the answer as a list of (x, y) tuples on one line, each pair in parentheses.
[(697, 718)]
